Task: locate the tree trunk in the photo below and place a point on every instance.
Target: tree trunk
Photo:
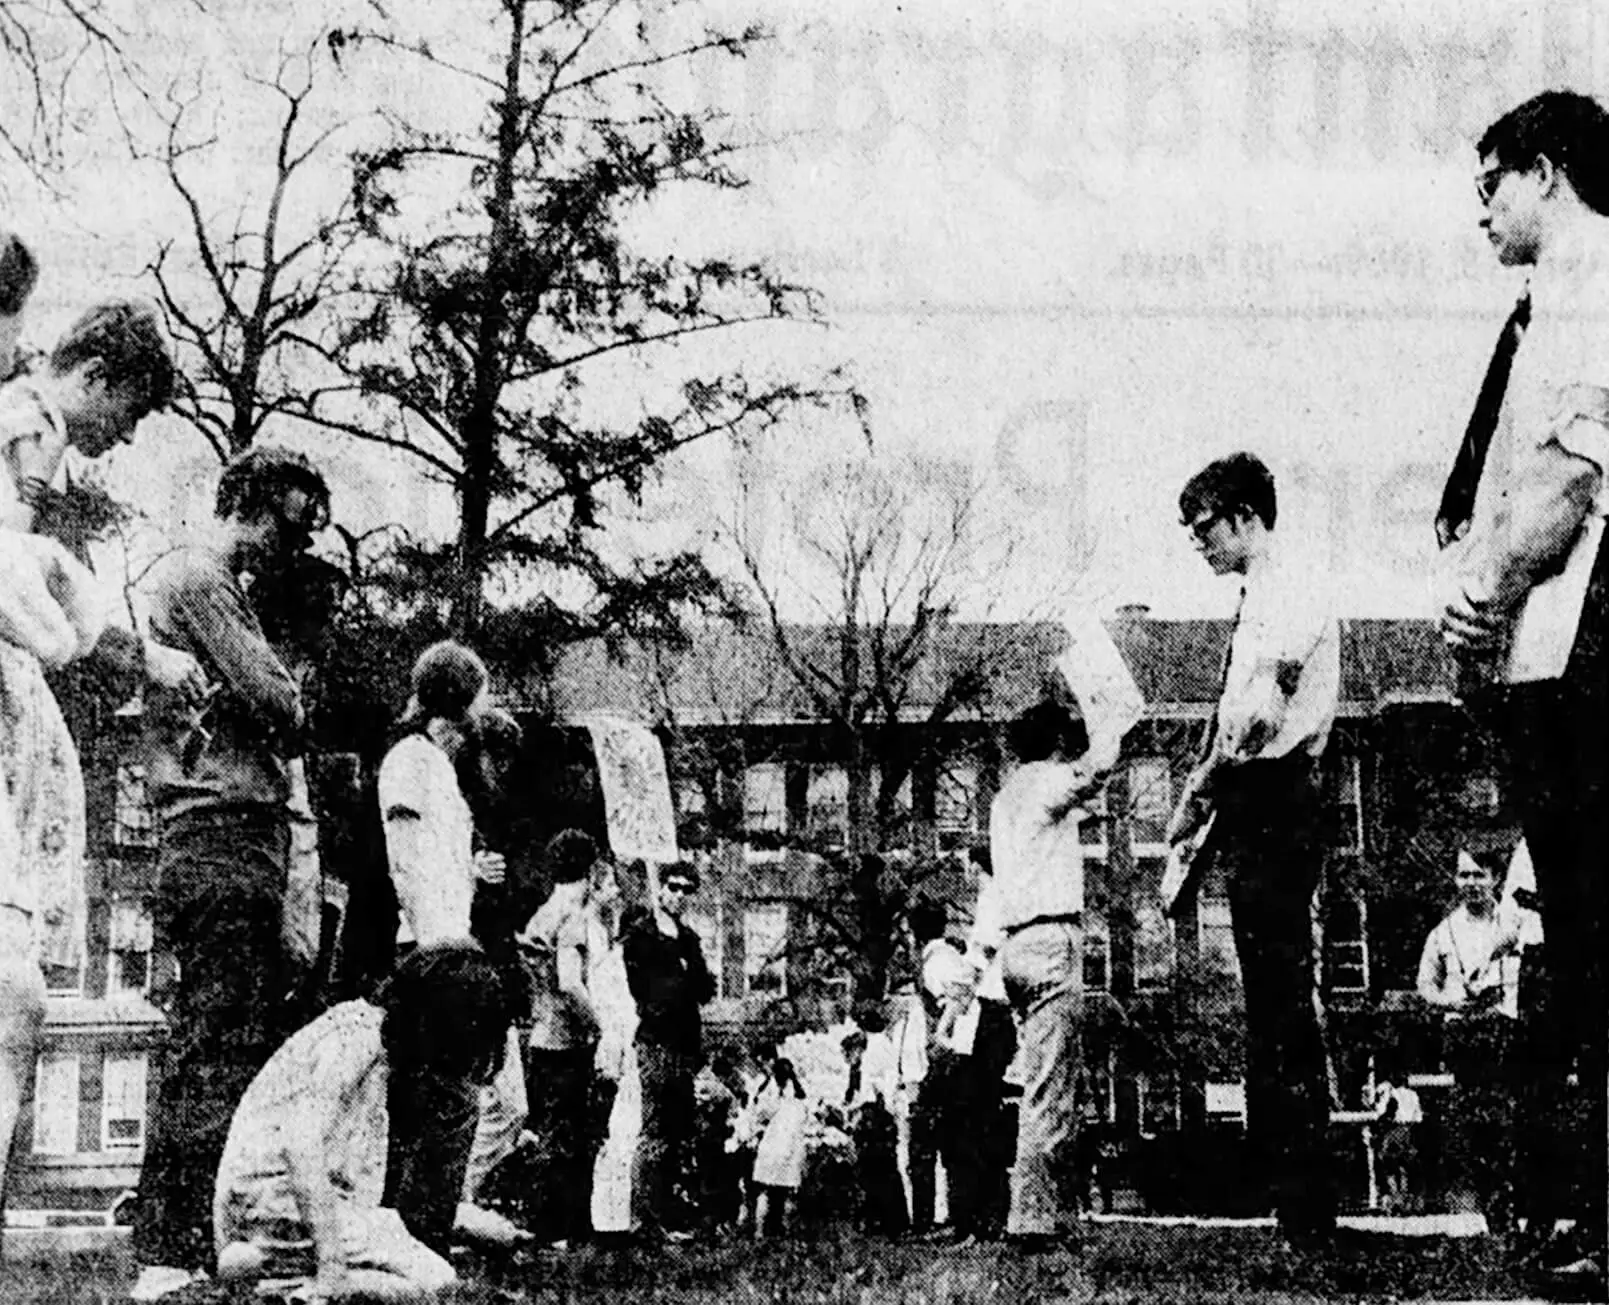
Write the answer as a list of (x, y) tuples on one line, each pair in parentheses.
[(480, 425)]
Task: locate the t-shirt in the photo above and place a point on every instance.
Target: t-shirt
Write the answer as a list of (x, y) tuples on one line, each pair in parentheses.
[(559, 925), (1034, 848), (325, 1089), (669, 981), (431, 850), (1466, 953)]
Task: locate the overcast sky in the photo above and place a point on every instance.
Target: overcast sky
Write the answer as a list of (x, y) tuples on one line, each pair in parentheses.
[(1078, 249)]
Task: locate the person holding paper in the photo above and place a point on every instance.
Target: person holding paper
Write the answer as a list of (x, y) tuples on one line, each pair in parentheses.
[(1281, 685), (1039, 879)]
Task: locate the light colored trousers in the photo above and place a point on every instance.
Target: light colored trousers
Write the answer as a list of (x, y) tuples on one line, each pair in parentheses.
[(22, 1015), (1044, 982), (503, 1111)]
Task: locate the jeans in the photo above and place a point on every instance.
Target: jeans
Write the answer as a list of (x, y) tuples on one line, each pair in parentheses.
[(559, 1084), (221, 883), (432, 1119), (1044, 983), (936, 1134)]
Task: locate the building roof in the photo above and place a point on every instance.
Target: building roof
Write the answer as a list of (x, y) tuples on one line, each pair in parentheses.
[(728, 676)]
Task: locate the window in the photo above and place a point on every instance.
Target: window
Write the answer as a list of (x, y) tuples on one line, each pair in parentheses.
[(955, 798), (707, 925), (827, 806), (1159, 1103), (123, 1102), (64, 980), (1215, 936), (56, 1105), (1346, 949), (1150, 798), (1100, 1101), (1226, 1100), (1097, 954), (1092, 825), (765, 798), (765, 940), (135, 821), (1153, 947), (1349, 803), (130, 944)]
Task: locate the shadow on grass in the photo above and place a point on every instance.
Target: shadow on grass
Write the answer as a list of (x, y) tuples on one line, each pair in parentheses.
[(1115, 1263)]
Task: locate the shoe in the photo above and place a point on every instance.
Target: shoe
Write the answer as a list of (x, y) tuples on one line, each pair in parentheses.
[(159, 1280), (476, 1224)]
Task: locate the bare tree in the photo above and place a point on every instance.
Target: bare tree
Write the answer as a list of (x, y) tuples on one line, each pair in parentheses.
[(860, 600), (247, 297)]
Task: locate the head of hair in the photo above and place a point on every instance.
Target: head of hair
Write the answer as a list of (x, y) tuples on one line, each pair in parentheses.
[(570, 855), (19, 274), (254, 483), (1569, 129), (928, 919), (297, 602), (126, 341), (447, 678), (1046, 730), (787, 1076), (448, 1009), (1240, 485), (683, 871)]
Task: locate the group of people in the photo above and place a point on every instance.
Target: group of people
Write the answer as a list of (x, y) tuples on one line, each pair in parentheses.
[(350, 1145)]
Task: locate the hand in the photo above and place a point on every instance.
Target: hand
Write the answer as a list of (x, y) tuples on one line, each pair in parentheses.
[(1472, 626), (490, 867), (175, 670)]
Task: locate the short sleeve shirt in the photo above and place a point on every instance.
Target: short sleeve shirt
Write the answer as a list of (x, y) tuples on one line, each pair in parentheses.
[(431, 852), (1561, 372)]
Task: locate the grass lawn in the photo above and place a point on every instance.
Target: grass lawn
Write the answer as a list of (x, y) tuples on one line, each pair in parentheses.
[(1119, 1262)]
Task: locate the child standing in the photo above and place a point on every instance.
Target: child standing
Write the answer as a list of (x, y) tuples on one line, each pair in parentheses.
[(780, 1157)]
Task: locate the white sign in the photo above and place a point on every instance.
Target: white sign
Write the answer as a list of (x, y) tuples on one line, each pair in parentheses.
[(636, 791)]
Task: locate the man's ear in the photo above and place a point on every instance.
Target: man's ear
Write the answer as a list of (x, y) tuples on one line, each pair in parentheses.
[(1548, 177)]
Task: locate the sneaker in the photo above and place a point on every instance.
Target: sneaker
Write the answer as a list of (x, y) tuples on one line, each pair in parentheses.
[(475, 1223), (159, 1280)]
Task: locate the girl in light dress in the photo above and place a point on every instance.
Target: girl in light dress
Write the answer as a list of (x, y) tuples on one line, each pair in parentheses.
[(783, 1113), (616, 1056)]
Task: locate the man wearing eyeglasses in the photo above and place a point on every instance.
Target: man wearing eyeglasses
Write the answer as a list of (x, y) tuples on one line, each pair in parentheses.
[(218, 780), (669, 981), (1522, 523), (1260, 778)]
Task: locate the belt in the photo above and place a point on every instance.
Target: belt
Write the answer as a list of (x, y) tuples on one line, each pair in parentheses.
[(1071, 917)]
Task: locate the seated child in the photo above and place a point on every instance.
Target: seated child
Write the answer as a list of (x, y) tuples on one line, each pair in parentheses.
[(300, 1189)]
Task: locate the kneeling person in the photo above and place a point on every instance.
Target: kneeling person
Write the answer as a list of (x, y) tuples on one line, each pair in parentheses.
[(300, 1188)]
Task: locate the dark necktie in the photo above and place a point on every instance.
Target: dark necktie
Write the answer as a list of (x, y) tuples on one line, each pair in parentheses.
[(1223, 678), (1458, 498)]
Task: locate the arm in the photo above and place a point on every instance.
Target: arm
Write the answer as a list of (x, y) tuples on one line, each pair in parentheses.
[(698, 970), (1532, 531), (1069, 785), (404, 789), (570, 962), (213, 614), (1432, 984), (315, 1195)]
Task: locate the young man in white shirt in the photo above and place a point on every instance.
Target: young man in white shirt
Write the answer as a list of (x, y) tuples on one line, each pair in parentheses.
[(1469, 972), (1261, 778), (1526, 609)]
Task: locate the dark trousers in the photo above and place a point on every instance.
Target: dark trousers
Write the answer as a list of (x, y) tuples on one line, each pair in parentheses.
[(1267, 836), (221, 886), (936, 1134), (664, 1150), (1555, 737), (432, 1121), (1480, 1132), (559, 1087), (985, 1135)]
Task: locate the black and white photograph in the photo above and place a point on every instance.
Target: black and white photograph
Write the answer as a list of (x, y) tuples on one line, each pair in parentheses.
[(698, 651)]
